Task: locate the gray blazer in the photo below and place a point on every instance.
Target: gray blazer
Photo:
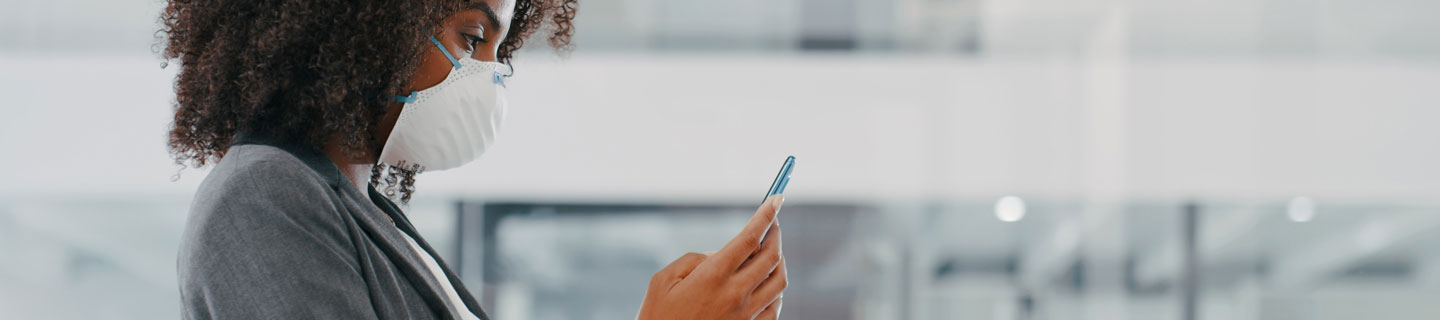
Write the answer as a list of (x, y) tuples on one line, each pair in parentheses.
[(276, 232)]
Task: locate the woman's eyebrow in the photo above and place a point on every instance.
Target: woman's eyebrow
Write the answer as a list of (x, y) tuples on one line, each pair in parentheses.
[(489, 13)]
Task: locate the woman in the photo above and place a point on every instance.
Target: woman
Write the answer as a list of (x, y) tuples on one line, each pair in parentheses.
[(309, 108)]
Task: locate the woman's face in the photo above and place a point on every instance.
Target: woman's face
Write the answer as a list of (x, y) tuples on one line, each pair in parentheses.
[(476, 31)]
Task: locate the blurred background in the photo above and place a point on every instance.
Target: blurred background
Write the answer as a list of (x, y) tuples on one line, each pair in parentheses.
[(958, 159)]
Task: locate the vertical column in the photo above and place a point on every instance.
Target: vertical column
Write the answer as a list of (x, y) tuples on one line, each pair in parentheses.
[(469, 262), (1190, 269)]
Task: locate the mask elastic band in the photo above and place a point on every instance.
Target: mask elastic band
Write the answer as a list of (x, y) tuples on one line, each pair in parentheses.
[(405, 99), (453, 61)]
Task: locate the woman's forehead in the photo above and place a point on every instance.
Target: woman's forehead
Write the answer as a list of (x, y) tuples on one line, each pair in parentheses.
[(498, 11), (503, 9)]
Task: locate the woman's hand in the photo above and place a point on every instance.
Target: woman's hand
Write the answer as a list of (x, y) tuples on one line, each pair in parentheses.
[(744, 280)]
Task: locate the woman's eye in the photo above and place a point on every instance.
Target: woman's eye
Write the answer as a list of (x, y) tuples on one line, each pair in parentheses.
[(474, 40)]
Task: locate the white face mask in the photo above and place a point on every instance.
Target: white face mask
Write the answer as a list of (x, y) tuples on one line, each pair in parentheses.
[(452, 123)]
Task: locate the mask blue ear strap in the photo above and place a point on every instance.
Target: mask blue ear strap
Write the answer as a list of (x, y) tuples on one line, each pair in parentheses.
[(453, 61), (405, 99)]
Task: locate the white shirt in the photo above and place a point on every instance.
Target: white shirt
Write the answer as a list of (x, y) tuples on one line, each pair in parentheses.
[(434, 267)]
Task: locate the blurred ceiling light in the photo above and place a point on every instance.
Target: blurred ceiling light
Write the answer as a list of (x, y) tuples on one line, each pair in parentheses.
[(1301, 209), (1010, 209)]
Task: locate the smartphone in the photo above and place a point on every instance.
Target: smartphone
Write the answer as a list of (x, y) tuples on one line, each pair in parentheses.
[(781, 179)]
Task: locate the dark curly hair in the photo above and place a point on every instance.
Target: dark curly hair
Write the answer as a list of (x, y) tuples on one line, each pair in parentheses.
[(309, 70)]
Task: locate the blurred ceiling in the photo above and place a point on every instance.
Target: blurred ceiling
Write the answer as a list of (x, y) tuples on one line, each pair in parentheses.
[(1002, 28)]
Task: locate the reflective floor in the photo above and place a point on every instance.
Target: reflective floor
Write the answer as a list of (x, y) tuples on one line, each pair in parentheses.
[(114, 258)]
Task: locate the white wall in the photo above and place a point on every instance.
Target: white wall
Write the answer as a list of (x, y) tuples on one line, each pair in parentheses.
[(866, 126)]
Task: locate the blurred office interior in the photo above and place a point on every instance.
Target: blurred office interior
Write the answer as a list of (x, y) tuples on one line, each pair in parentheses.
[(958, 159)]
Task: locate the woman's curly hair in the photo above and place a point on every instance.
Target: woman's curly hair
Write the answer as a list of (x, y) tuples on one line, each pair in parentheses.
[(310, 71)]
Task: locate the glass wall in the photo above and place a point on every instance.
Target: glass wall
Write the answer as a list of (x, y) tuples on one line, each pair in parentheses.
[(957, 159)]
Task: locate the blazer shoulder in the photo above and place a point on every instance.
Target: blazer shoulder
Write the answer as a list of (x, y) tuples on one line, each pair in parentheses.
[(260, 174), (267, 237), (257, 186), (262, 196)]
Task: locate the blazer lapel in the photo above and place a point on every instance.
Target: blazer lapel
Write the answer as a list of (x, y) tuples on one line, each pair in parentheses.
[(387, 237), (404, 225)]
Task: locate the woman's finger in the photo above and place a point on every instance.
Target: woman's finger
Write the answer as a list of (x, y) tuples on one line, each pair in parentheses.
[(744, 244), (771, 289), (763, 263), (772, 311)]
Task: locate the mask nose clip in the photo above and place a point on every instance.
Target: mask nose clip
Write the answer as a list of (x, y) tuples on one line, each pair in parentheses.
[(500, 77)]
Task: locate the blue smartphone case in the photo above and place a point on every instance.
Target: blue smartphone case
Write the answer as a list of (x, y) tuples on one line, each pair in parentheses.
[(781, 179)]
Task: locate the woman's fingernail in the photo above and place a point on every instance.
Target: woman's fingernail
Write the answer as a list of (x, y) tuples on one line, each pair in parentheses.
[(779, 200)]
